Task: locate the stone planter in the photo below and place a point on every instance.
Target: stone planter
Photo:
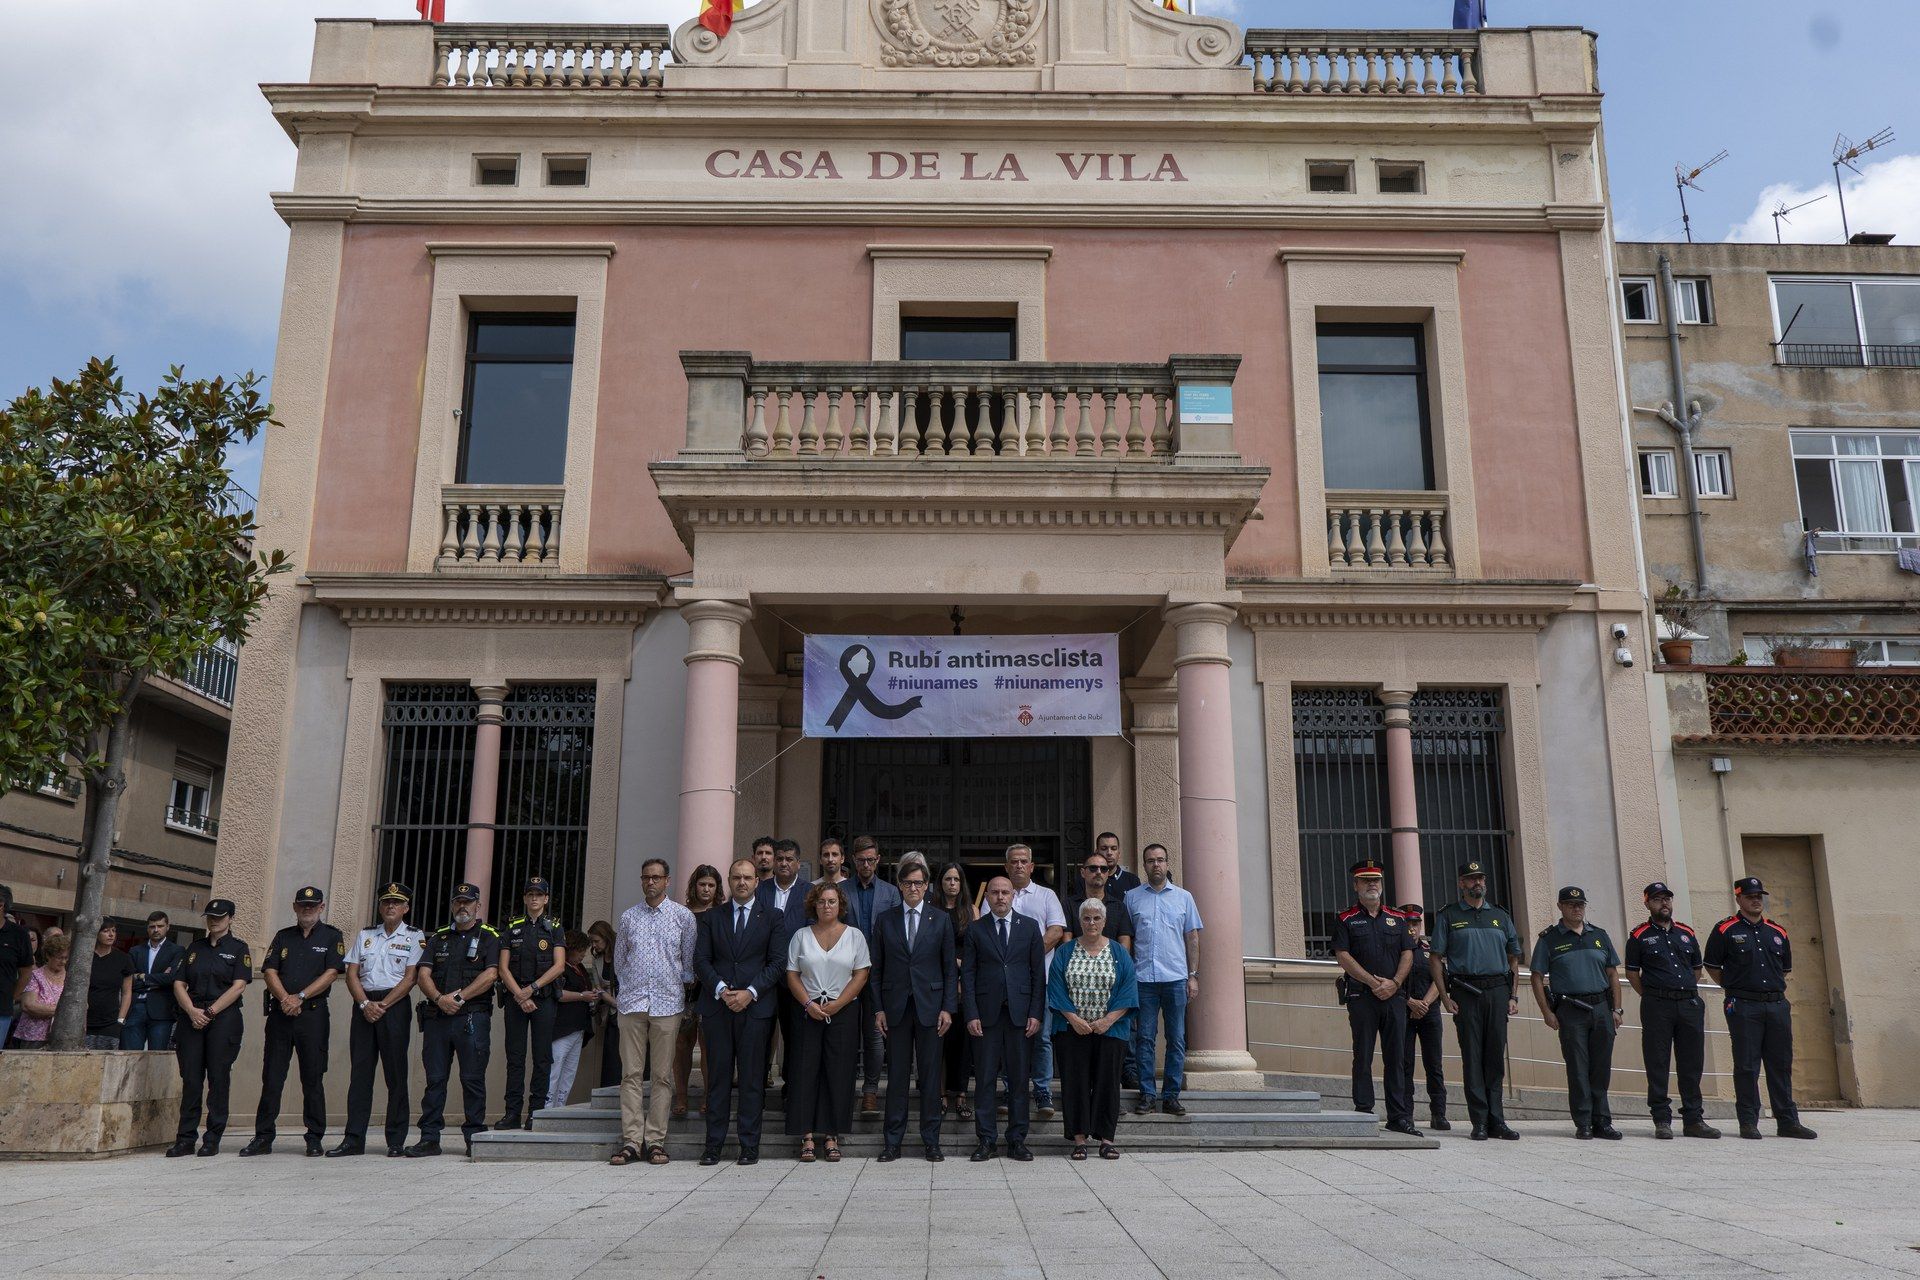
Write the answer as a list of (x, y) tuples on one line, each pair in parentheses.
[(90, 1103)]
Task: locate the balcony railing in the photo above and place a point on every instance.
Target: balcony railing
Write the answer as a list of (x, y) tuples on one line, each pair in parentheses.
[(549, 56), (500, 524), (213, 673), (1775, 705), (1426, 63), (1847, 355), (193, 820), (1387, 530), (61, 786)]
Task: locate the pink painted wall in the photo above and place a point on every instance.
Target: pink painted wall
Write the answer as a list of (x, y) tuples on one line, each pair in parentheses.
[(805, 293)]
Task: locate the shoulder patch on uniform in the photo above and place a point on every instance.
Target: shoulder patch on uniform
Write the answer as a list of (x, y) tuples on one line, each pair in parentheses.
[(1397, 914), (490, 929), (1350, 913), (1724, 924), (1640, 929), (1686, 929), (1776, 928), (515, 921)]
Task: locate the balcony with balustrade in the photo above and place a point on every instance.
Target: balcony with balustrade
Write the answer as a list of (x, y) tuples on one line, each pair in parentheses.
[(1794, 707)]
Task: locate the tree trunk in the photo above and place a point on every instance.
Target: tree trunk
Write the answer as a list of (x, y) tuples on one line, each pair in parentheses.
[(96, 848)]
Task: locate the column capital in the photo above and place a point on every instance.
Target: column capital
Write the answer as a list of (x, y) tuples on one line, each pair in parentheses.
[(491, 696), (1200, 631), (713, 628), (1399, 707)]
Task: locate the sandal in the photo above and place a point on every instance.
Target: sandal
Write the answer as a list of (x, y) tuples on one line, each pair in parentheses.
[(1079, 1151), (679, 1111), (966, 1109), (1109, 1152), (658, 1156), (626, 1155), (833, 1151), (806, 1151)]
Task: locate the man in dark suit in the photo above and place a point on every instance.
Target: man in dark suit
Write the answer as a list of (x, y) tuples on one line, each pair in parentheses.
[(740, 956), (786, 892), (1005, 990), (912, 953), (150, 1018)]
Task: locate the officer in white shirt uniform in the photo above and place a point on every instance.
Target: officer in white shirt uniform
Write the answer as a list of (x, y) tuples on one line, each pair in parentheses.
[(380, 973)]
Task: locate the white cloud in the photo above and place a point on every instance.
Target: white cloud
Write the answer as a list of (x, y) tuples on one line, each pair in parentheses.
[(1882, 197)]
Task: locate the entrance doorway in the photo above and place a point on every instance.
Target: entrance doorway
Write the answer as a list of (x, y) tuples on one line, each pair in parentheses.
[(963, 800), (1785, 865)]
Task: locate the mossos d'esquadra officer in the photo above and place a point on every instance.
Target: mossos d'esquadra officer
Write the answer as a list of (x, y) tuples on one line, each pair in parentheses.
[(380, 974), (302, 961), (207, 986), (533, 955), (1372, 945), (1750, 956), (1475, 961), (456, 975), (1663, 964), (1576, 981)]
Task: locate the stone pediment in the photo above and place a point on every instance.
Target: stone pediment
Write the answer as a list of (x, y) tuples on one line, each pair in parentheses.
[(1084, 46)]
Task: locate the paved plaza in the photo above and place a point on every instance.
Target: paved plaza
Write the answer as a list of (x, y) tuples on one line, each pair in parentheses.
[(1847, 1205)]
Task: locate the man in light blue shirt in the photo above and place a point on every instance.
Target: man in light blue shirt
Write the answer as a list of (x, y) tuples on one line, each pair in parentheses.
[(1166, 956)]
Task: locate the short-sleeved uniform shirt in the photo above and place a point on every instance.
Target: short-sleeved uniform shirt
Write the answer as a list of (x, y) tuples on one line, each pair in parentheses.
[(300, 958), (385, 958), (455, 958), (1750, 957), (212, 966), (1475, 941), (527, 947), (1667, 958), (1376, 941), (103, 990), (1575, 964)]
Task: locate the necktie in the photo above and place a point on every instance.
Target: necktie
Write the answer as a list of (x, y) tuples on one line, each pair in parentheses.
[(913, 926), (739, 919), (1003, 933)]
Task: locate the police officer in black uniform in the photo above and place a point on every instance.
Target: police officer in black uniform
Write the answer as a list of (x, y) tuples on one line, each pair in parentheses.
[(1370, 943), (1751, 956), (1576, 982), (207, 986), (1475, 959), (302, 961), (1663, 964), (533, 956), (1423, 1021), (456, 975)]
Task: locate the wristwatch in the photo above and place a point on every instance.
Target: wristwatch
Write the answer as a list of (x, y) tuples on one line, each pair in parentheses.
[(459, 1000)]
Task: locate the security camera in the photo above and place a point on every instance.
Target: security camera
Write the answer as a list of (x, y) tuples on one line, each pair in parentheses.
[(1619, 630), (1623, 656)]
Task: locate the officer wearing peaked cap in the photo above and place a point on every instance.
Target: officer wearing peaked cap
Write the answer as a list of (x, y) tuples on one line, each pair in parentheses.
[(301, 963), (380, 974), (1576, 982), (207, 986), (1475, 962), (1750, 956), (1663, 964), (1372, 945), (533, 956), (456, 974)]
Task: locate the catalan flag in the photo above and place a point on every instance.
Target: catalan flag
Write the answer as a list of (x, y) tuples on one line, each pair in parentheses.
[(1172, 5), (717, 15)]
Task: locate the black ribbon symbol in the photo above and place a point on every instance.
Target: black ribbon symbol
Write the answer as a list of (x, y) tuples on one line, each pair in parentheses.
[(858, 691)]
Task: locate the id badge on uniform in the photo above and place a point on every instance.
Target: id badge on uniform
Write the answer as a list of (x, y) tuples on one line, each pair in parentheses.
[(473, 946)]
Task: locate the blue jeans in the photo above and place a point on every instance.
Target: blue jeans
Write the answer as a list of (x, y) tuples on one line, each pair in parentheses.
[(6, 1026), (1042, 1048), (1168, 1001), (142, 1032)]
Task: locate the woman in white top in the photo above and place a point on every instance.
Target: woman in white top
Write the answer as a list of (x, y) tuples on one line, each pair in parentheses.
[(827, 965)]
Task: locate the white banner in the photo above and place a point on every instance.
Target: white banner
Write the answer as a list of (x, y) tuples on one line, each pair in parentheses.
[(962, 686)]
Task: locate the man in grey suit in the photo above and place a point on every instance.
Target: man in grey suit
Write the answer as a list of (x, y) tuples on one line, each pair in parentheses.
[(740, 957), (912, 953), (1005, 990)]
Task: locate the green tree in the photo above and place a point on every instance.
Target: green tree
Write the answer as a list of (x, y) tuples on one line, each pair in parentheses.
[(124, 552)]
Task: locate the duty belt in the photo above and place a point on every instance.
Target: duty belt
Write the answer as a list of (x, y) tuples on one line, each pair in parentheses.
[(1478, 983), (1668, 993), (1765, 997)]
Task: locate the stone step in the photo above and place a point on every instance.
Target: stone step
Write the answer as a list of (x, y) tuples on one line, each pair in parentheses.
[(1250, 1100), (590, 1121)]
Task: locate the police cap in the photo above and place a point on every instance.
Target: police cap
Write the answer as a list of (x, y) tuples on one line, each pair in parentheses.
[(1574, 893), (1366, 867), (218, 907), (1658, 889), (1412, 909), (1468, 869), (396, 892), (536, 884), (466, 891), (308, 897), (1748, 886)]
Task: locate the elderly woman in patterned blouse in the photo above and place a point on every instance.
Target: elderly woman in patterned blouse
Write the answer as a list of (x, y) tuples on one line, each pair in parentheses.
[(1091, 990)]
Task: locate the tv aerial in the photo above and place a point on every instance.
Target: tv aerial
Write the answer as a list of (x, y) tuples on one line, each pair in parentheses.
[(1683, 178), (1845, 152), (1780, 214)]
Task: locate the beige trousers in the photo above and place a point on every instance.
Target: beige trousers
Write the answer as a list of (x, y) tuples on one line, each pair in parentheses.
[(643, 1119)]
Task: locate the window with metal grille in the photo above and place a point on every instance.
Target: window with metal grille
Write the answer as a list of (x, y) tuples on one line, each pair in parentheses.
[(423, 807), (1460, 790), (1340, 791)]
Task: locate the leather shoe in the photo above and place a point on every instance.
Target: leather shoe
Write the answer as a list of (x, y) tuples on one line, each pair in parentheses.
[(208, 1147), (1699, 1129), (1582, 1132), (1440, 1124), (1794, 1129), (314, 1148), (1144, 1107), (1750, 1131), (1403, 1126), (985, 1151), (422, 1148), (396, 1151), (1503, 1132), (349, 1147), (1018, 1150), (258, 1147), (748, 1155), (181, 1147), (1663, 1131), (1172, 1107), (934, 1155), (889, 1154), (1608, 1133), (1479, 1133), (509, 1121), (869, 1104), (709, 1157)]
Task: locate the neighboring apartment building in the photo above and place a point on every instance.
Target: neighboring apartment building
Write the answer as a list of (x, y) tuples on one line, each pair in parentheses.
[(1795, 732), (169, 815), (606, 384)]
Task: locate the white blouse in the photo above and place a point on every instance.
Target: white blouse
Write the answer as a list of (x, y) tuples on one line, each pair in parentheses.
[(827, 971)]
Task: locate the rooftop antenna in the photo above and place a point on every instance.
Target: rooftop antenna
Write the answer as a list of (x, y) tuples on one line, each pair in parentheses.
[(1683, 178), (1845, 152), (1780, 214)]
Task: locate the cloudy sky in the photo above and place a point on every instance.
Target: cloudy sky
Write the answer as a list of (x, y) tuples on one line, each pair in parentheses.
[(139, 153)]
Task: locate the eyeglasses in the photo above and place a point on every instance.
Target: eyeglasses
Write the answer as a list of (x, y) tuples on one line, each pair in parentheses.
[(654, 876), (1099, 869)]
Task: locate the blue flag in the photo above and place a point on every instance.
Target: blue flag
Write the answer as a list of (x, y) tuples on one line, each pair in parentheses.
[(1469, 14)]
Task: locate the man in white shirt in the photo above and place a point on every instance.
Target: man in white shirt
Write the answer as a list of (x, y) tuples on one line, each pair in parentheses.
[(653, 958), (381, 967), (1042, 906)]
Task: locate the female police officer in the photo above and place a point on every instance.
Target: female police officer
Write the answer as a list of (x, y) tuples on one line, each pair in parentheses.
[(208, 986)]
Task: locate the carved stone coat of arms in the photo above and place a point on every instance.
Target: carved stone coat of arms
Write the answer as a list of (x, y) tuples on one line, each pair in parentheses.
[(959, 33)]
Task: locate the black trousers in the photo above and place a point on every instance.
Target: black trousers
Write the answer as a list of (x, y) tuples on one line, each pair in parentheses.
[(820, 1095), (736, 1044), (1673, 1029), (914, 1054), (1385, 1020), (206, 1063), (1762, 1032), (1089, 1068), (519, 1024), (384, 1042), (1481, 1026), (304, 1037), (1586, 1043), (1424, 1034), (467, 1035), (956, 1054), (1004, 1048)]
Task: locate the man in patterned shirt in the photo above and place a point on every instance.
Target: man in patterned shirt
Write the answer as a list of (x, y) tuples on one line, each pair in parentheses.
[(653, 956)]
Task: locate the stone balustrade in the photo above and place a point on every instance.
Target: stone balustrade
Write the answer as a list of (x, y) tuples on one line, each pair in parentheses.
[(1427, 63), (1387, 530), (549, 56), (500, 524)]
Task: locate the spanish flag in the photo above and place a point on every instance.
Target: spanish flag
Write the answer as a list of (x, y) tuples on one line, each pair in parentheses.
[(1173, 5), (432, 10), (717, 15)]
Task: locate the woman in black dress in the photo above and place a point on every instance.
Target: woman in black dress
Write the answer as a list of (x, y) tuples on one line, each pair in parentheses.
[(951, 895)]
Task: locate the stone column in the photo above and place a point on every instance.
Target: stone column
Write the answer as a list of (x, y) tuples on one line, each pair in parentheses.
[(1403, 812), (711, 733), (483, 800), (1217, 1056)]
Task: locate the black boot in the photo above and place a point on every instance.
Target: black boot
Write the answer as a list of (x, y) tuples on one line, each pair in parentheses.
[(180, 1147), (258, 1147), (350, 1147)]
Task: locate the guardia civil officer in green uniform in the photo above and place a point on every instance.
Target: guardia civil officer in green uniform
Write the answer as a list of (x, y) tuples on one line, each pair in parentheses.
[(1750, 957), (533, 956), (302, 961), (456, 975), (207, 986), (1475, 963), (1576, 982)]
